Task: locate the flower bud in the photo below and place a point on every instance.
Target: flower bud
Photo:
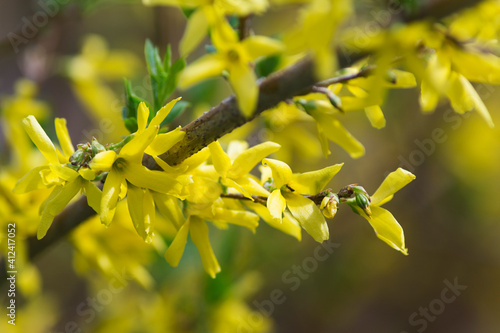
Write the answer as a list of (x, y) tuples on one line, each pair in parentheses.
[(329, 204)]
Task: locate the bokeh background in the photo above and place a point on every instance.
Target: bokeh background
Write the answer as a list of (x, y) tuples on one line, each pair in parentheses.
[(450, 213)]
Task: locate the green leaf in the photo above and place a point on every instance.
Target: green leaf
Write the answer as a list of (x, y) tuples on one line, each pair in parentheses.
[(162, 74), (129, 111), (173, 76), (267, 65), (131, 124)]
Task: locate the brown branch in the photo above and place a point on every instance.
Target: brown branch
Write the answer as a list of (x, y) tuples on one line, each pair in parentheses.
[(226, 116)]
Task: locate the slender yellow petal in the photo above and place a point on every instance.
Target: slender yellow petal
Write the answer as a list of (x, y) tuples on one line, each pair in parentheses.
[(308, 215), (165, 141), (199, 235), (64, 172), (237, 217), (179, 169), (395, 181), (208, 66), (313, 182), (134, 149), (260, 46), (249, 158), (110, 195), (103, 161), (174, 252), (228, 182), (282, 174), (158, 181), (87, 174), (276, 204), (40, 139), (141, 208), (142, 117), (479, 106), (251, 186), (335, 132), (386, 227), (460, 99), (288, 225), (94, 196), (57, 204), (169, 207), (402, 79), (196, 31), (163, 112), (244, 83), (375, 116), (31, 181), (429, 97), (220, 160), (63, 137)]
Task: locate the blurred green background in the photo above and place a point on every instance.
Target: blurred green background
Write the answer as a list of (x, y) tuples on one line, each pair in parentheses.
[(450, 213)]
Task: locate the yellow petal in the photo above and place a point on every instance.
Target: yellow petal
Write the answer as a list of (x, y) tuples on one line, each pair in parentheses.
[(165, 141), (251, 186), (335, 132), (237, 217), (174, 252), (63, 137), (158, 181), (87, 174), (103, 161), (163, 113), (64, 172), (276, 204), (110, 195), (288, 225), (282, 173), (260, 46), (313, 182), (134, 149), (94, 196), (208, 66), (375, 116), (308, 215), (199, 235), (429, 97), (196, 31), (244, 83), (220, 160), (386, 227), (141, 208), (179, 169), (460, 99), (402, 79), (395, 181), (479, 106), (168, 206), (249, 158), (57, 204), (142, 117), (40, 139), (31, 181)]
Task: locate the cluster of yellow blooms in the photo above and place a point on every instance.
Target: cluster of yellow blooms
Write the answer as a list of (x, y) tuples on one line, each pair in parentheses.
[(199, 184), (204, 187)]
